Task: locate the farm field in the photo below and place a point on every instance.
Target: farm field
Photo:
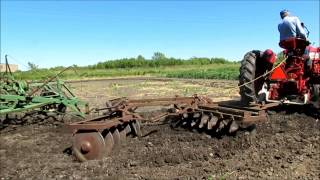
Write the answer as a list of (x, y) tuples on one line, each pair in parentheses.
[(228, 71), (285, 147)]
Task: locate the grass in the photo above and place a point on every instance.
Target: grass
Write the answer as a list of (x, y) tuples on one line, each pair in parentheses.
[(210, 71), (223, 71)]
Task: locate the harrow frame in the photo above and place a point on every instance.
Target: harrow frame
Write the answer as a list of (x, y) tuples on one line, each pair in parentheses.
[(120, 118)]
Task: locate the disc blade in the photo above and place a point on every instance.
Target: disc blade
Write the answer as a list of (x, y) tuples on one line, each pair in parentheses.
[(116, 138), (212, 122), (185, 115), (138, 123), (222, 125), (233, 127), (90, 145), (196, 115), (203, 121), (109, 143), (136, 128), (128, 129), (123, 136), (193, 123), (184, 123)]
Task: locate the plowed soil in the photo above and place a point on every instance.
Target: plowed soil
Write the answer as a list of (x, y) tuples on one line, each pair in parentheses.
[(285, 147)]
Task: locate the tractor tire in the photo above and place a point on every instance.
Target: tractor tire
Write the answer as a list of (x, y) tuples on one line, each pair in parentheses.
[(315, 96), (248, 72)]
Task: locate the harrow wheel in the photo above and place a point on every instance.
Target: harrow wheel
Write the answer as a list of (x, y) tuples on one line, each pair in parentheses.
[(93, 145), (207, 122), (88, 145)]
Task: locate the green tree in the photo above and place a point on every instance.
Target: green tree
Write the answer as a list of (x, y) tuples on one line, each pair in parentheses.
[(140, 57), (280, 57), (158, 56), (32, 66)]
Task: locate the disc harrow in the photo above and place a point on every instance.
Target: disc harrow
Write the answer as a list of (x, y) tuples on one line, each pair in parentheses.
[(21, 99), (98, 136)]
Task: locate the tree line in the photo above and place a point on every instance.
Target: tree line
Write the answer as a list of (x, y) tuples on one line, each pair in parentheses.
[(158, 59)]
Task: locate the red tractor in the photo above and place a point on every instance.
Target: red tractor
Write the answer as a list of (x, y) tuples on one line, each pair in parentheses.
[(295, 81)]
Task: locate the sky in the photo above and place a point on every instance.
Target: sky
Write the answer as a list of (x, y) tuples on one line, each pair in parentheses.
[(62, 33)]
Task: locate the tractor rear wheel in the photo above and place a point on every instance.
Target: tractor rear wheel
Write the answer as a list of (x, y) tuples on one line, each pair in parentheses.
[(315, 96), (249, 70)]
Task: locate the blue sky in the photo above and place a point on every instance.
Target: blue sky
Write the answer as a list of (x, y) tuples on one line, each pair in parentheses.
[(53, 33)]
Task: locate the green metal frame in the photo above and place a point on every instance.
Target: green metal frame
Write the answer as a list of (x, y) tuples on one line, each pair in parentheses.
[(19, 96)]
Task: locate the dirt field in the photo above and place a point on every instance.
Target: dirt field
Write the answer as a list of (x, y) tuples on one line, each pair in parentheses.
[(286, 147)]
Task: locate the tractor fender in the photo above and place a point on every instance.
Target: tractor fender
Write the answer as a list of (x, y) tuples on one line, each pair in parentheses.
[(269, 57)]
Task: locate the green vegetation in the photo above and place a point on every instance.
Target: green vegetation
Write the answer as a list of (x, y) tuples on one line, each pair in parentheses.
[(32, 66), (158, 60), (218, 71), (159, 65)]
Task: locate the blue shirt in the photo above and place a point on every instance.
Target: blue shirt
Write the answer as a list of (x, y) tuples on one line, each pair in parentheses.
[(291, 27)]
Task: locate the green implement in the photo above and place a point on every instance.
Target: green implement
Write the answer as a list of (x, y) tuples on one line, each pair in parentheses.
[(51, 95)]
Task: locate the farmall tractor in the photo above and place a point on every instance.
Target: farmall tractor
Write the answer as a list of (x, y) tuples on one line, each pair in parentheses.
[(296, 80)]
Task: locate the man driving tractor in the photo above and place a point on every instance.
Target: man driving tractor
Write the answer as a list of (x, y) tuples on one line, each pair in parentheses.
[(295, 80), (290, 27)]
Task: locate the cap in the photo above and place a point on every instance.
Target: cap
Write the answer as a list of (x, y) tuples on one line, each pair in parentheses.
[(284, 12)]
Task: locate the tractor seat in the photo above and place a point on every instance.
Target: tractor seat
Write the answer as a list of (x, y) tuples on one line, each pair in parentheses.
[(294, 43)]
